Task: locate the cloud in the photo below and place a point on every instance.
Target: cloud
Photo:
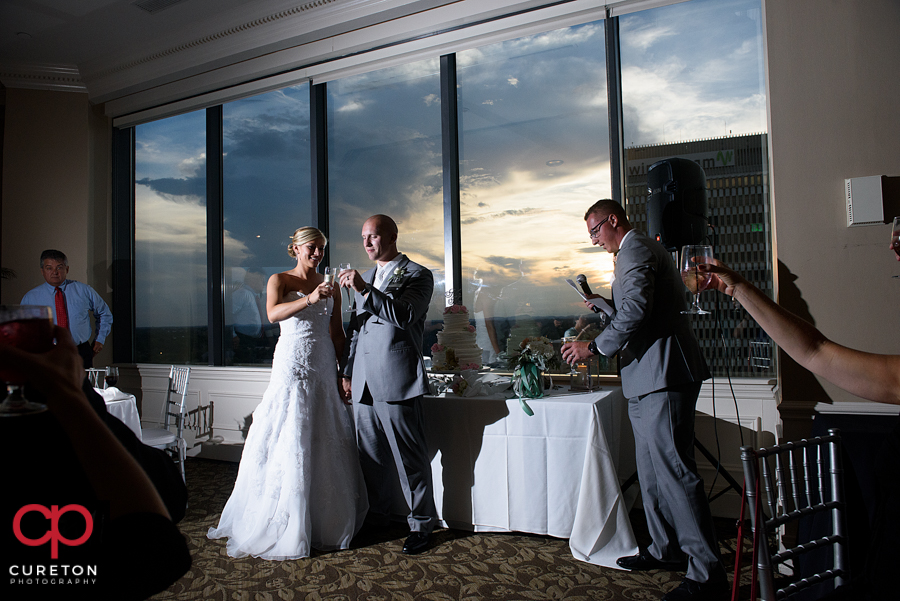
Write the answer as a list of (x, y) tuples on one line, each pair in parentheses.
[(170, 255), (351, 106)]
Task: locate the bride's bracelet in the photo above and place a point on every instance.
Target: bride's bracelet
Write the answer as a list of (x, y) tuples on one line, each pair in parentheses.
[(309, 303)]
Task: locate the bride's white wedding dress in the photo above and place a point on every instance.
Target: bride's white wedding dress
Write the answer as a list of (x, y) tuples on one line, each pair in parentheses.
[(299, 484)]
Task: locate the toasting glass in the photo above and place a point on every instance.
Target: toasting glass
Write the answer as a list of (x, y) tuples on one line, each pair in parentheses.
[(346, 267), (30, 328), (329, 279), (692, 256)]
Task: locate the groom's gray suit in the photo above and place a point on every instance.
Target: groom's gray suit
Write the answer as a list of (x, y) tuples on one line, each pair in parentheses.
[(384, 363), (662, 372)]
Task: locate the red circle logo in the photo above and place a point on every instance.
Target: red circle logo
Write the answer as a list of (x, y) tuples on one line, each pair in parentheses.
[(53, 514)]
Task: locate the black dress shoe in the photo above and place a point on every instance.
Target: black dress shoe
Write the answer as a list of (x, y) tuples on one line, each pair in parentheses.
[(645, 561), (416, 542), (691, 590)]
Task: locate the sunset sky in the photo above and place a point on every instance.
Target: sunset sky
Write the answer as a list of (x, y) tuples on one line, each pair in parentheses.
[(534, 155)]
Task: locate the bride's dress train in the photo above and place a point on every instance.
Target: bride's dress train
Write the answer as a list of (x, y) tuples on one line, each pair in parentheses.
[(299, 485)]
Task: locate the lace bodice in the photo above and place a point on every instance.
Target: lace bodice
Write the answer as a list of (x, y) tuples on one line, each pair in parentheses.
[(311, 321)]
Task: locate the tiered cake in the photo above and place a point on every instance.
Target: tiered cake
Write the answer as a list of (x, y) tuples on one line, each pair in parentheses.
[(456, 348)]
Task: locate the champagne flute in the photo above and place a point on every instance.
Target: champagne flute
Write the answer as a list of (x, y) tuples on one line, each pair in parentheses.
[(30, 328), (112, 376), (329, 279), (692, 256), (895, 240), (346, 267)]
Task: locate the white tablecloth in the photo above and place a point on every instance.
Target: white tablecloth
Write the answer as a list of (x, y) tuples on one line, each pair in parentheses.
[(123, 406), (554, 473)]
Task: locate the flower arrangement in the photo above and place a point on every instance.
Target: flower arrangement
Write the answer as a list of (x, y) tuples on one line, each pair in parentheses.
[(537, 350), (459, 385), (535, 355), (455, 309)]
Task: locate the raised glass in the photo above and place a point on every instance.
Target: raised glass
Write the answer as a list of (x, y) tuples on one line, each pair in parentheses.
[(696, 281), (29, 328)]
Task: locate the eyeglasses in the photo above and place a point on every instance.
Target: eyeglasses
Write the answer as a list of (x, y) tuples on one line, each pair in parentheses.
[(595, 231)]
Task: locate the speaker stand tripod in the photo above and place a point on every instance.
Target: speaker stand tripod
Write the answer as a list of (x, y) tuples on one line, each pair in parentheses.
[(732, 483)]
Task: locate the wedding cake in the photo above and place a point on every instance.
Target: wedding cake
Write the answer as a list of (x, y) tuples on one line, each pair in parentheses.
[(456, 348)]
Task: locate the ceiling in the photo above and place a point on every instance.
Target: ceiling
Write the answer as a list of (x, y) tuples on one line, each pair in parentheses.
[(82, 32), (110, 48)]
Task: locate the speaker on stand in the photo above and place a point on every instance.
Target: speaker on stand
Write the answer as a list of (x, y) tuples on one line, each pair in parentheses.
[(677, 207)]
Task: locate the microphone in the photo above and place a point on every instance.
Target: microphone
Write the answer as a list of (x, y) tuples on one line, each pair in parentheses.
[(582, 281)]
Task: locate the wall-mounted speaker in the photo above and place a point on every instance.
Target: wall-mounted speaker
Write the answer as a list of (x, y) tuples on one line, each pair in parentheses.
[(677, 204)]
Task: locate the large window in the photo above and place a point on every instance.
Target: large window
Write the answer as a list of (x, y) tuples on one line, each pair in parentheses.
[(693, 87), (384, 157), (534, 156), (170, 240), (266, 196)]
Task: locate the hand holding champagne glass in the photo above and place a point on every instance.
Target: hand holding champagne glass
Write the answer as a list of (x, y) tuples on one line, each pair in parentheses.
[(29, 328), (346, 267), (329, 280), (696, 281)]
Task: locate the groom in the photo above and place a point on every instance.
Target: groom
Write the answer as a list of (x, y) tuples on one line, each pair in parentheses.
[(384, 364)]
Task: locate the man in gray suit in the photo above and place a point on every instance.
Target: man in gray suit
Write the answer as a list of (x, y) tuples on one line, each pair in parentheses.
[(662, 372), (385, 376)]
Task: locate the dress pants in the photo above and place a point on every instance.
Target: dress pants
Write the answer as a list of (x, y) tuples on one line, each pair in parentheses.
[(395, 432), (86, 350), (676, 506)]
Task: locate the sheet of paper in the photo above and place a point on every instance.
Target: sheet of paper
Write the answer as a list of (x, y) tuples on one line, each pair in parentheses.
[(601, 303)]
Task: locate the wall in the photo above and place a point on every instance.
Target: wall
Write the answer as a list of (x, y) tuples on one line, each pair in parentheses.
[(833, 90), (56, 181)]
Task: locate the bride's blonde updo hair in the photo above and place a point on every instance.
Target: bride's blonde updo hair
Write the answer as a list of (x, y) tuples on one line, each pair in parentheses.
[(304, 235)]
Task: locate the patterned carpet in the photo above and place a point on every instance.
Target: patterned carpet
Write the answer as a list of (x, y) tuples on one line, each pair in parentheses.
[(461, 565)]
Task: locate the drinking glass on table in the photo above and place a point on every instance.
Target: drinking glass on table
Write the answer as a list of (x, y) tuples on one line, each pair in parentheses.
[(30, 328), (112, 377), (346, 267), (692, 256)]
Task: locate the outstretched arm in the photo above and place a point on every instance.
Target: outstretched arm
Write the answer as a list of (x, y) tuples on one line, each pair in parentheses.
[(868, 375)]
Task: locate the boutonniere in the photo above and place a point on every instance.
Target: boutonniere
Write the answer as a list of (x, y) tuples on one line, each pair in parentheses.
[(398, 276)]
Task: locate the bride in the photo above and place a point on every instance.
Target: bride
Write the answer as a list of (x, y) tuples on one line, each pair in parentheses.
[(299, 484)]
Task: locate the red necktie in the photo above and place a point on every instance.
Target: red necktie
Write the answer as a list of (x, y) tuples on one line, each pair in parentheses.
[(62, 315)]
